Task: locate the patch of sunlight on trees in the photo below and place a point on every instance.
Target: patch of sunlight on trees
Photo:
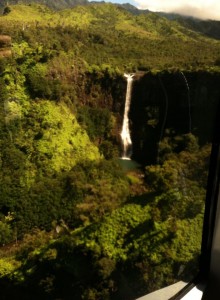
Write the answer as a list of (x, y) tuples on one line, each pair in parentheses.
[(8, 266), (63, 140)]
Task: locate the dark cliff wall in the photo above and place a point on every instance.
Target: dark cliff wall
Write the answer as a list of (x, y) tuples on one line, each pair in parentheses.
[(176, 103)]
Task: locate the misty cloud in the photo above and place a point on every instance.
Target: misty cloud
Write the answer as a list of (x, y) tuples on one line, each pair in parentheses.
[(204, 9)]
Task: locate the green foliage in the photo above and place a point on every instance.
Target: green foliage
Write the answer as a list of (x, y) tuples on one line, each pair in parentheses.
[(111, 31), (180, 178), (33, 243), (127, 240), (111, 234), (98, 122), (40, 85), (7, 266), (98, 187), (40, 141), (6, 233), (7, 10)]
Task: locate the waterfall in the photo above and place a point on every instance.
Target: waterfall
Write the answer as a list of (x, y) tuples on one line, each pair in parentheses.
[(125, 133)]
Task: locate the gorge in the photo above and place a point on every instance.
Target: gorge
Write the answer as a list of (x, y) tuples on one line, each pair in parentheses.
[(158, 110), (73, 223)]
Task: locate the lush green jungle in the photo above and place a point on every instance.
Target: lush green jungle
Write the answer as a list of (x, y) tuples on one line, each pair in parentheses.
[(74, 223)]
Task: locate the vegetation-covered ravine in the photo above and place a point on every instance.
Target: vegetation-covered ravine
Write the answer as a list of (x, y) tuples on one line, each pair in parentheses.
[(74, 224)]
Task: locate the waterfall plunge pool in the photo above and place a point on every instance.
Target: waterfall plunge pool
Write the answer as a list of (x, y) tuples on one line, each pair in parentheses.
[(128, 164)]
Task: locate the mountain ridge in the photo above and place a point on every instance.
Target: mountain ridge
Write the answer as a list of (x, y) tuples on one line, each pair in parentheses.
[(210, 28), (53, 4)]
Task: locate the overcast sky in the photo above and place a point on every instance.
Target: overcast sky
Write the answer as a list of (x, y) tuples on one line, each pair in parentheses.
[(206, 9)]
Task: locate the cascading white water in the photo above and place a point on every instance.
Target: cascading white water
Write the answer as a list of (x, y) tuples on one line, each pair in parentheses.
[(125, 133)]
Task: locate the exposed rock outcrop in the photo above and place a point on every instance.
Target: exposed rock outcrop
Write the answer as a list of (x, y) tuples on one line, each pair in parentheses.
[(5, 46)]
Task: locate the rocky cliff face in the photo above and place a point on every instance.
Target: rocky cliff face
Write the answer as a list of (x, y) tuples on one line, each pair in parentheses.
[(5, 46), (171, 104)]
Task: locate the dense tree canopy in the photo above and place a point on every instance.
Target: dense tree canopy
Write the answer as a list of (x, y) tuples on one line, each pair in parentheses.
[(73, 222)]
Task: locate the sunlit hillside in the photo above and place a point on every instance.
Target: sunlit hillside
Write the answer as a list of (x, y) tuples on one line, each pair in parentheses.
[(146, 41)]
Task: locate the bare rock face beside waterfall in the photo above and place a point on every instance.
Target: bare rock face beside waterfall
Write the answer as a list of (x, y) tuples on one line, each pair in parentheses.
[(5, 46), (166, 101)]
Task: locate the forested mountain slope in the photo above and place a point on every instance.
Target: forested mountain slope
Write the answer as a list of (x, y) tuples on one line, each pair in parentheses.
[(73, 223), (207, 27), (120, 38)]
